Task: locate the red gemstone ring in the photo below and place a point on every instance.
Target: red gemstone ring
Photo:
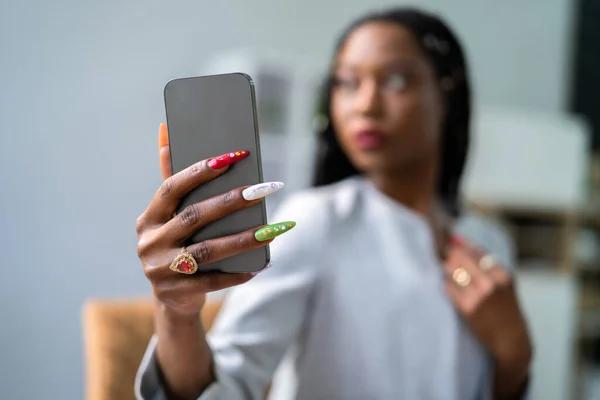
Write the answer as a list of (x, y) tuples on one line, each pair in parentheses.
[(184, 263)]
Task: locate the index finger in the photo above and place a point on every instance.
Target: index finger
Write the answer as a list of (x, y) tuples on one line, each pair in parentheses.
[(460, 257), (175, 187)]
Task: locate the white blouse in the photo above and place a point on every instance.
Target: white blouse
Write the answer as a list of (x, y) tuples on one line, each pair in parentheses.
[(354, 305)]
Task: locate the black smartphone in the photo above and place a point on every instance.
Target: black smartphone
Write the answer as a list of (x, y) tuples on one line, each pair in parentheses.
[(208, 116)]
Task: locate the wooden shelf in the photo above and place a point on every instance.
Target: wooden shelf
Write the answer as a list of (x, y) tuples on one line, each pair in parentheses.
[(589, 267), (583, 217), (545, 232), (590, 297)]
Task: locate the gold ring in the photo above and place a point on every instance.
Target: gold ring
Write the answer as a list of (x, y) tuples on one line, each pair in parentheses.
[(184, 263), (461, 277), (487, 262)]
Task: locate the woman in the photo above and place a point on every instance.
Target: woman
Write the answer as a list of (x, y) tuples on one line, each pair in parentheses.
[(386, 288)]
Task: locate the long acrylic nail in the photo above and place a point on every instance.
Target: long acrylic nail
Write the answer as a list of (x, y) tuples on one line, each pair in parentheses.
[(456, 240), (273, 230), (163, 135), (261, 190), (227, 159)]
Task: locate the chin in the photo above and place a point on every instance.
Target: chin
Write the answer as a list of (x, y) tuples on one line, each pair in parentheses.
[(370, 164)]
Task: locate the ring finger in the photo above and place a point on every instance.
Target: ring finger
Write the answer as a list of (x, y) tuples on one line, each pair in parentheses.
[(485, 262), (463, 270), (213, 250)]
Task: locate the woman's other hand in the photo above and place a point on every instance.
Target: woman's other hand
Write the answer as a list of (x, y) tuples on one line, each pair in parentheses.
[(484, 294), (161, 233)]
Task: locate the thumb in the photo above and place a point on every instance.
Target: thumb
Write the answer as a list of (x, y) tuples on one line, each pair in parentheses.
[(164, 151)]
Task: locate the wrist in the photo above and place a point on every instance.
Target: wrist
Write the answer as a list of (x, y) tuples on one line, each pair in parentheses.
[(183, 355), (511, 388), (175, 320), (516, 357)]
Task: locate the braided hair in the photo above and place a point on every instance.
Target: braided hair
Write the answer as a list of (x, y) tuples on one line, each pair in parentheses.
[(444, 52)]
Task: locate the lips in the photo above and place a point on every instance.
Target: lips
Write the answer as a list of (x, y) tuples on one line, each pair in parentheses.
[(370, 139)]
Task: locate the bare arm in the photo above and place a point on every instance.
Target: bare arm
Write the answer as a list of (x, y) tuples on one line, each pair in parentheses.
[(488, 302), (511, 381), (184, 357)]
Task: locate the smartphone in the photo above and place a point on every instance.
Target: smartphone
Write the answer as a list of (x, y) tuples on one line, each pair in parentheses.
[(208, 116)]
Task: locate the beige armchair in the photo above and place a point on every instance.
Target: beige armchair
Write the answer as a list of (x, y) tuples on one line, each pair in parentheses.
[(116, 333)]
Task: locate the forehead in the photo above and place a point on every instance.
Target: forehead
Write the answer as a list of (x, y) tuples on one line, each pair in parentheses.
[(376, 43)]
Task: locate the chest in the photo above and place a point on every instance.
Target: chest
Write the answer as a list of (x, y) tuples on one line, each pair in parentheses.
[(392, 266), (381, 294)]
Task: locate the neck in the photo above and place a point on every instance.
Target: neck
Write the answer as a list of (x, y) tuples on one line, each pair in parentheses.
[(415, 188)]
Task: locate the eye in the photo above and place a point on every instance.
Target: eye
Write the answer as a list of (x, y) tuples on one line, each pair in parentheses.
[(396, 82), (346, 83)]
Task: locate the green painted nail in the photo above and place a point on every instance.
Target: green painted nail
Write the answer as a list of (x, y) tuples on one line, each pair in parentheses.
[(273, 230)]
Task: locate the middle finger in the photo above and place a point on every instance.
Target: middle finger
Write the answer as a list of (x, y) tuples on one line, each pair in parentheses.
[(198, 215), (460, 265)]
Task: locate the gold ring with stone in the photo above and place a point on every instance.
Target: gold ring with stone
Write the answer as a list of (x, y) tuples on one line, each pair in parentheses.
[(487, 262), (461, 277), (184, 263)]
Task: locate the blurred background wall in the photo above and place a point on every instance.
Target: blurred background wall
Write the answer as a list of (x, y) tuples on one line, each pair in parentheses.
[(80, 103)]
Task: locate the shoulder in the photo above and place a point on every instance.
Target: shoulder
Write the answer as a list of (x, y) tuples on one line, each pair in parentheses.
[(318, 213), (321, 204), (488, 234)]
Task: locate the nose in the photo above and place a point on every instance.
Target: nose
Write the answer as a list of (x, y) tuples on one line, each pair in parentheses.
[(369, 101)]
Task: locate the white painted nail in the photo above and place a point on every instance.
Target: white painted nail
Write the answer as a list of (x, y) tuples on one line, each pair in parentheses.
[(261, 190)]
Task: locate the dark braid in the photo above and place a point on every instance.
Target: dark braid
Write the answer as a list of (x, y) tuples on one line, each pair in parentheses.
[(444, 51)]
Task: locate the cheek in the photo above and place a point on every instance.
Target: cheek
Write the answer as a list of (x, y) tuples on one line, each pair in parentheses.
[(340, 107), (418, 116), (341, 110)]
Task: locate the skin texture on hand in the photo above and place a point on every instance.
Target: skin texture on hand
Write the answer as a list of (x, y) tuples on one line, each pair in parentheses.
[(184, 357), (488, 303)]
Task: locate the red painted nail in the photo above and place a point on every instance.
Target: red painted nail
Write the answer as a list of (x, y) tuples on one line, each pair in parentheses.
[(457, 240), (227, 159)]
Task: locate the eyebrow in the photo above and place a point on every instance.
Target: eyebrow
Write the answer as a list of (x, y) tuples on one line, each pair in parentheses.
[(392, 64)]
